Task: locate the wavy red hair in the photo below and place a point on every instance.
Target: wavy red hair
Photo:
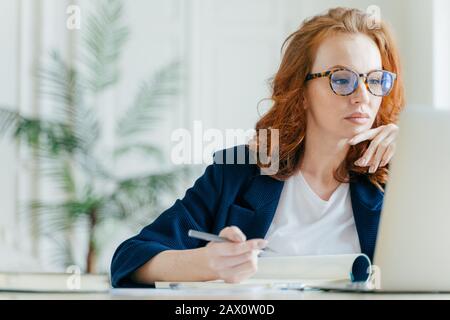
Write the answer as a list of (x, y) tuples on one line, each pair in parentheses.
[(287, 113)]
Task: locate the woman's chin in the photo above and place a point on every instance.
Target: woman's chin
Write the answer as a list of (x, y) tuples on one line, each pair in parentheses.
[(354, 130)]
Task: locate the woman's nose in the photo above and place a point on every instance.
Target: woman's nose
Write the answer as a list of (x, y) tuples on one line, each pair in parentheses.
[(361, 94)]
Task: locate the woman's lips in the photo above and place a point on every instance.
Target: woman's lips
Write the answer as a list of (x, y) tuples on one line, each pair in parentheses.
[(358, 120)]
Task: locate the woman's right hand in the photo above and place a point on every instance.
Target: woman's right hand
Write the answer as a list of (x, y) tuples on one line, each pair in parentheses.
[(233, 261)]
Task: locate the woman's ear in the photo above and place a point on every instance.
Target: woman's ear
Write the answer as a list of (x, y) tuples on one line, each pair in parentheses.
[(304, 102)]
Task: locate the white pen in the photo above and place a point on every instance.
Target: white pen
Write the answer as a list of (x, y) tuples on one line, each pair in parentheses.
[(212, 237), (206, 236), (288, 286)]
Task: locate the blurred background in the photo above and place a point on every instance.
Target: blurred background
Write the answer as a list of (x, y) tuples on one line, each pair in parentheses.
[(92, 92)]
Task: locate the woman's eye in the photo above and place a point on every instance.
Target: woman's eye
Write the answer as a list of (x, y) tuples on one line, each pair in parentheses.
[(341, 81), (374, 81)]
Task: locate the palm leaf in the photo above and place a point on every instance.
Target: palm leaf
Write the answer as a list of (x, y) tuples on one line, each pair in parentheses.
[(142, 148), (61, 216), (64, 86), (8, 121), (55, 227), (47, 136), (62, 252), (52, 216), (103, 41), (60, 172), (53, 137), (137, 194), (153, 95)]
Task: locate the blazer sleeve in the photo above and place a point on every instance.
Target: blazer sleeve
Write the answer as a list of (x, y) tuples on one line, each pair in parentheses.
[(169, 231)]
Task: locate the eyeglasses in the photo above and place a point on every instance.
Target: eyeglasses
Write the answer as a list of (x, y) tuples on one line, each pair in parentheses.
[(344, 82)]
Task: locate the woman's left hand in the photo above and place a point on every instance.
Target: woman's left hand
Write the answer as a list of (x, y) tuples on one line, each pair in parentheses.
[(381, 149)]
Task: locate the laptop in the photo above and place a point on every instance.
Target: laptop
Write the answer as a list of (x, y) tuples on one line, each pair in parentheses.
[(412, 252)]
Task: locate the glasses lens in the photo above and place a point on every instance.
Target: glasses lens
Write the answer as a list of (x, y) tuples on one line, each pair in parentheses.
[(344, 82), (380, 83)]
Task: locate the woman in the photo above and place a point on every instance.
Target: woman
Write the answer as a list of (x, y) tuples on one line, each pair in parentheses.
[(337, 96)]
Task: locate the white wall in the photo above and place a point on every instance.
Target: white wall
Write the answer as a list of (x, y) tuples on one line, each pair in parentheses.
[(441, 53), (8, 97)]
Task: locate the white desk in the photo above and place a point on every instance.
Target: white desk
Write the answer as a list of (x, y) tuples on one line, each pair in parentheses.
[(101, 283), (167, 294)]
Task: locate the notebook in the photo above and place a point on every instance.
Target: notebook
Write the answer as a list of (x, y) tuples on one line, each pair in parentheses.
[(296, 272), (53, 282)]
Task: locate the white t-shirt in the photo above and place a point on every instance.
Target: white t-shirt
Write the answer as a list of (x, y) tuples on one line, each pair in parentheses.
[(305, 224)]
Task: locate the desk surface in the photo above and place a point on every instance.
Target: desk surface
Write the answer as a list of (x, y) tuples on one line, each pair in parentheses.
[(167, 294)]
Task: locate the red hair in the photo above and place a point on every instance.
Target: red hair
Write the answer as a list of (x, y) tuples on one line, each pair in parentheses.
[(287, 113)]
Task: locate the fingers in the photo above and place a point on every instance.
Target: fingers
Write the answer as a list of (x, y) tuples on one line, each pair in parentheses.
[(233, 233), (374, 154), (234, 249), (381, 146), (388, 155), (372, 148), (239, 245), (377, 157), (366, 135), (372, 133), (232, 261), (241, 272), (381, 158)]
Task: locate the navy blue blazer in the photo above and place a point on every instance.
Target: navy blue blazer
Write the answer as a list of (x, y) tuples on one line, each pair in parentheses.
[(231, 194)]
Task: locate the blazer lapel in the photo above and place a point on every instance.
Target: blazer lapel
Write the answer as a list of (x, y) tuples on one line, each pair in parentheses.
[(262, 197), (367, 203)]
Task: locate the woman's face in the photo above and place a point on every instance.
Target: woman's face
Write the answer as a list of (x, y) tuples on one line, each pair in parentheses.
[(327, 112)]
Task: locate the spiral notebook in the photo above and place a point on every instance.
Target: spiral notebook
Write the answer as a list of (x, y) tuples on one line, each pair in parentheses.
[(295, 272)]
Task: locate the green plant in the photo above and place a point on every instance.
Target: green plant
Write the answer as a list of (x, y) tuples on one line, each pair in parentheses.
[(65, 143)]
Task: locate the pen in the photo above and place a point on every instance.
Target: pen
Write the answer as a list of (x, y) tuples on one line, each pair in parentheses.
[(211, 237), (206, 236), (288, 286)]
